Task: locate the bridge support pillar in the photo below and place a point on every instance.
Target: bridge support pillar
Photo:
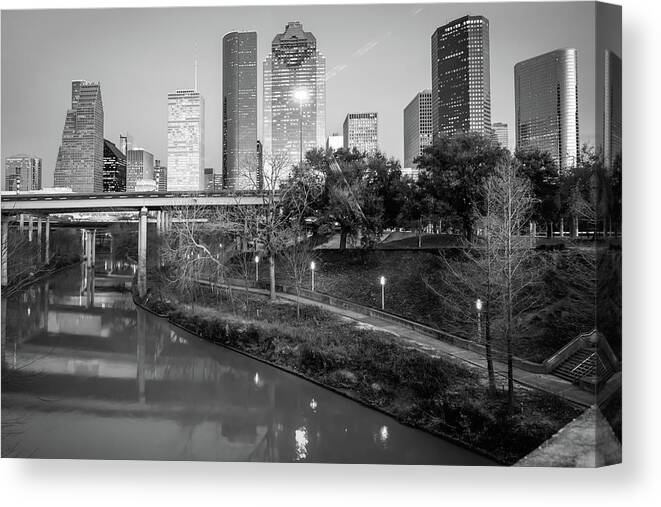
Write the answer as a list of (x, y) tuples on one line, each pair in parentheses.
[(30, 224), (5, 254), (159, 222), (39, 244), (142, 253), (21, 222), (47, 231)]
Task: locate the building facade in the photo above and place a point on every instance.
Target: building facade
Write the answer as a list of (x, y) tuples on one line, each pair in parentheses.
[(79, 164), (114, 168), (418, 127), (612, 127), (139, 171), (208, 178), (239, 110), (500, 133), (185, 140), (361, 131), (125, 143), (160, 176), (461, 82), (334, 142), (546, 105), (22, 173), (294, 95)]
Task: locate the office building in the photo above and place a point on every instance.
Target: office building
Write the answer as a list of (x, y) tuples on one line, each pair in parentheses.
[(185, 140), (114, 168), (418, 128), (125, 143), (500, 133), (334, 142), (546, 105), (294, 95), (612, 124), (217, 182), (160, 176), (140, 171), (208, 178), (461, 96), (22, 173), (240, 110), (79, 164), (361, 131)]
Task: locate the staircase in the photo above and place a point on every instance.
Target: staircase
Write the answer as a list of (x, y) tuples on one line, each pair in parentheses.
[(584, 363)]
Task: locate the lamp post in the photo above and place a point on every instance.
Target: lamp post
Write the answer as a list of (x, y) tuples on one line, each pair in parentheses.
[(478, 307), (383, 292), (301, 96), (256, 268), (312, 266)]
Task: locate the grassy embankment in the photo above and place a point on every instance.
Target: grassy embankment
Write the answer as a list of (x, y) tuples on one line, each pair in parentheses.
[(440, 395)]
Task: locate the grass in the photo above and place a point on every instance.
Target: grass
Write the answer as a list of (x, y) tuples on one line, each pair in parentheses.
[(438, 394)]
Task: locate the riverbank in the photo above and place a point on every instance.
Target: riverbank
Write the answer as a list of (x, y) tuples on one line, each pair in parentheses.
[(57, 264), (436, 394)]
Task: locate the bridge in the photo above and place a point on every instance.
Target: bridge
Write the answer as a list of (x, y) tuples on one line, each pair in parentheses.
[(36, 208)]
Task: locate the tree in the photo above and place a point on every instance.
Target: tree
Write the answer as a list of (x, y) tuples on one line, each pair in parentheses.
[(454, 169)]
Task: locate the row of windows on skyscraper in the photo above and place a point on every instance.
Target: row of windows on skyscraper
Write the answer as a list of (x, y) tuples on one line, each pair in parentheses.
[(294, 122), (546, 97)]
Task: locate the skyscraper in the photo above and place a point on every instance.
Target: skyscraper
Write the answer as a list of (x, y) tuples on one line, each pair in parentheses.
[(418, 128), (240, 110), (114, 168), (208, 178), (361, 131), (139, 171), (461, 90), (125, 143), (22, 172), (546, 105), (501, 134), (79, 164), (185, 140), (294, 94), (160, 176), (612, 127)]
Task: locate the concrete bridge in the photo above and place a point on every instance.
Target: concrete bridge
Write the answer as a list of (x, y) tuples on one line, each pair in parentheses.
[(32, 211)]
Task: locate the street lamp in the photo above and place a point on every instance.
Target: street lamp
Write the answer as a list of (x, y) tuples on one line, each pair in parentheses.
[(301, 96), (383, 292), (478, 307), (256, 268), (312, 266)]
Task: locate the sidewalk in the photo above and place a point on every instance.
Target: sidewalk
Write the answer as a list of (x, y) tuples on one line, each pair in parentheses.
[(541, 381)]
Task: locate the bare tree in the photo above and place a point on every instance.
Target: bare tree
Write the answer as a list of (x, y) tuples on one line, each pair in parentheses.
[(298, 257)]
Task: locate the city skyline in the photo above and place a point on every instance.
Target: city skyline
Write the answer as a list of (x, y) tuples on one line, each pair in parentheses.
[(356, 60)]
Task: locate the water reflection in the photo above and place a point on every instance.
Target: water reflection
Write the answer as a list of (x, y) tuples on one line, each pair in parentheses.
[(93, 377)]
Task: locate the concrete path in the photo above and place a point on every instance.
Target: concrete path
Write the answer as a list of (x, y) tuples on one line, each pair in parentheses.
[(541, 381)]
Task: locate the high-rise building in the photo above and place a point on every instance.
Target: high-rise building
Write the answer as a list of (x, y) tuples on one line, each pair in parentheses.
[(612, 127), (22, 172), (160, 176), (217, 182), (208, 178), (240, 110), (185, 140), (546, 105), (461, 92), (125, 143), (114, 168), (418, 128), (294, 95), (334, 142), (361, 131), (500, 133), (139, 171), (79, 164)]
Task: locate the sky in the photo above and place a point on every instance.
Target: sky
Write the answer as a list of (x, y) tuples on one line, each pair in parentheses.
[(377, 57)]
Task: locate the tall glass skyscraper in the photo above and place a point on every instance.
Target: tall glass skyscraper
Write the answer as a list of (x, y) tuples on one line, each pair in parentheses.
[(79, 164), (461, 82), (546, 105), (22, 172), (240, 110), (418, 128), (294, 94), (185, 140), (501, 134), (612, 128), (361, 131), (114, 168)]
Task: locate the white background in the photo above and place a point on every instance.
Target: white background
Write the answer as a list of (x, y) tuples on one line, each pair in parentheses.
[(636, 482)]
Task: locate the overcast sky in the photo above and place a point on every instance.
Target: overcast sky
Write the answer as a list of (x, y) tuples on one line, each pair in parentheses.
[(377, 57)]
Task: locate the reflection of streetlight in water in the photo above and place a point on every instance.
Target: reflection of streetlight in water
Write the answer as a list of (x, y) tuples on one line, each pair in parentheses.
[(313, 404), (301, 437)]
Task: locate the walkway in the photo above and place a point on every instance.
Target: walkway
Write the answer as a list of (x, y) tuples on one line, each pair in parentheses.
[(438, 348)]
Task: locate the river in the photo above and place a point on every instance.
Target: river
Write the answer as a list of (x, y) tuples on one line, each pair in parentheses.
[(88, 375)]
